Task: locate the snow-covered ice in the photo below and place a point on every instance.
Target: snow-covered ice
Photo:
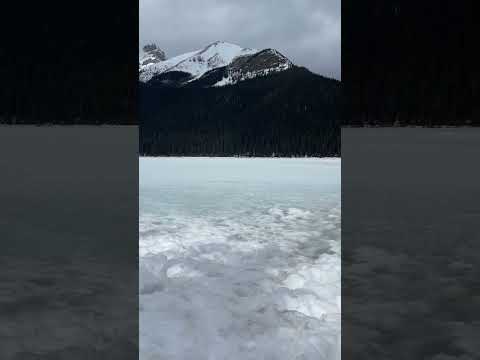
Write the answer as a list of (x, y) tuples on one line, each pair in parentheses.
[(239, 258)]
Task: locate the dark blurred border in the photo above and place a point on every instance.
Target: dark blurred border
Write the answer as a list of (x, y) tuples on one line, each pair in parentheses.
[(410, 243), (69, 194), (69, 242), (410, 183), (69, 62), (408, 62)]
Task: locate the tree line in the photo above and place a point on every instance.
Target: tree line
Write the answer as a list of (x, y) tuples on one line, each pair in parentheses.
[(293, 113)]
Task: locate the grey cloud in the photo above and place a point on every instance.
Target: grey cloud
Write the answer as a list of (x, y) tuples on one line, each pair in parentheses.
[(306, 31)]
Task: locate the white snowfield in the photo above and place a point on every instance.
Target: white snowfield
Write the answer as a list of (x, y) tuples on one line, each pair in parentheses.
[(199, 62), (152, 69), (196, 62), (239, 259)]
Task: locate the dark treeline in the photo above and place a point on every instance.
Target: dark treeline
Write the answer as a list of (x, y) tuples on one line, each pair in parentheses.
[(69, 62), (410, 63), (294, 113)]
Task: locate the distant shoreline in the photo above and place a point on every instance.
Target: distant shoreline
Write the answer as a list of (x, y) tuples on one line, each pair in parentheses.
[(240, 157), (50, 125)]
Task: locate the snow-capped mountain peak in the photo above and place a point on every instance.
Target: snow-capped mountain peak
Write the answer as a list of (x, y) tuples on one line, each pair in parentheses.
[(195, 63), (151, 54), (213, 56), (220, 54)]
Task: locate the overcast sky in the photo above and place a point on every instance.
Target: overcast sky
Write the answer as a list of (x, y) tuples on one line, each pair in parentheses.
[(306, 31)]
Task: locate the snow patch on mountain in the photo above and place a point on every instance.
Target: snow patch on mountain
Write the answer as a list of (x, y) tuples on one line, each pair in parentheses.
[(216, 55), (149, 70), (237, 76), (196, 63), (150, 53)]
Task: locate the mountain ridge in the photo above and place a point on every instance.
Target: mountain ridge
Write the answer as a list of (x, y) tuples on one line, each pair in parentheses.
[(240, 63)]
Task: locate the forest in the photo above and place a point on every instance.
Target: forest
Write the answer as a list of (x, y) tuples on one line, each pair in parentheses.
[(291, 113)]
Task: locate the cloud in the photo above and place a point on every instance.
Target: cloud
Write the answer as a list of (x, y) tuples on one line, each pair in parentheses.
[(306, 31)]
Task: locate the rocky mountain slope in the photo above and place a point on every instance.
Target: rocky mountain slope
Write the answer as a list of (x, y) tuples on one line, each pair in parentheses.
[(151, 54), (218, 64)]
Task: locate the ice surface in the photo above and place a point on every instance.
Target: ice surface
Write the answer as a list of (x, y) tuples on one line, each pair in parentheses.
[(239, 258)]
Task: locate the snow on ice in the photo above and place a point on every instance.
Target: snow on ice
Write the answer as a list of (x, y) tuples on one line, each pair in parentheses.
[(239, 258)]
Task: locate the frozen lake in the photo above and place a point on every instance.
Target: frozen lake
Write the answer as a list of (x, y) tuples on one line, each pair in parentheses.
[(239, 258)]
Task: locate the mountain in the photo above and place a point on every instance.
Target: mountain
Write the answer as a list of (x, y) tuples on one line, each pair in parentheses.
[(225, 100), (227, 62), (151, 55)]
